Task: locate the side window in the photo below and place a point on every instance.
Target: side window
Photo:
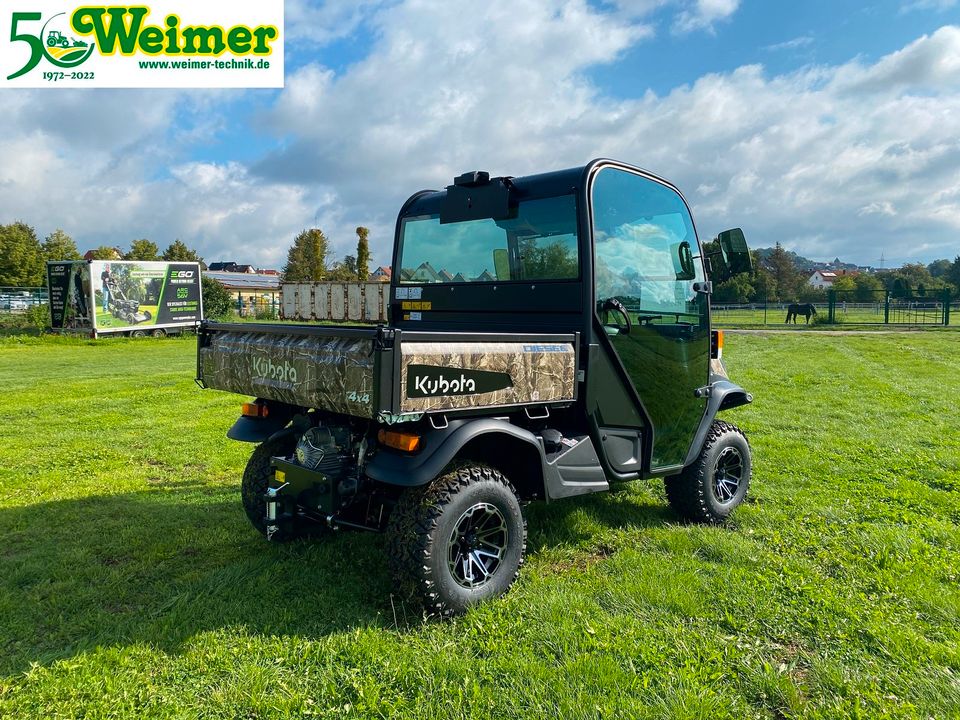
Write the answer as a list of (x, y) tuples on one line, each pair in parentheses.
[(643, 240)]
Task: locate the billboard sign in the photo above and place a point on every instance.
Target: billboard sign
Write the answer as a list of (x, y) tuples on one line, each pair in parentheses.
[(119, 296)]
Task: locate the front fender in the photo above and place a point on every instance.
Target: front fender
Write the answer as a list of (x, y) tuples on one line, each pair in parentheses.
[(440, 447), (723, 395)]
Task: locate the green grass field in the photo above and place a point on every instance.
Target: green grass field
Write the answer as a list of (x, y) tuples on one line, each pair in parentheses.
[(132, 586)]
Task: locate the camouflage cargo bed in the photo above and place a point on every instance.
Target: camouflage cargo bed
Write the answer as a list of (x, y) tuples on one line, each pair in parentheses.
[(384, 373)]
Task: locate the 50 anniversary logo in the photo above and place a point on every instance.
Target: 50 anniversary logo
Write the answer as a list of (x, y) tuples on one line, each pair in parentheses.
[(232, 45)]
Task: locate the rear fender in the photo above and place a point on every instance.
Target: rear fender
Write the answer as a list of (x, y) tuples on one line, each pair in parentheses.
[(440, 447), (258, 429), (510, 448)]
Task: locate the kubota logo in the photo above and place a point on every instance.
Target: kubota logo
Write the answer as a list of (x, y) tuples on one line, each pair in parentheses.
[(431, 381), (441, 385), (268, 370)]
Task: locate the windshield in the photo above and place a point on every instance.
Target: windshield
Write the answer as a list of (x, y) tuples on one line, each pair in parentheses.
[(540, 243)]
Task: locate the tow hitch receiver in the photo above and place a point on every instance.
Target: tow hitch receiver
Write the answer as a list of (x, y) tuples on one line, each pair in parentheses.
[(297, 493)]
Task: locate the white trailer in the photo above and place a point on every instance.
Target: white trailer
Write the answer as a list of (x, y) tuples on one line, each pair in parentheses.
[(124, 297)]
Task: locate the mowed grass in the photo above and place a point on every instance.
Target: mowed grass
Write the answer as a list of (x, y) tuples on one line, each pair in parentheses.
[(132, 586)]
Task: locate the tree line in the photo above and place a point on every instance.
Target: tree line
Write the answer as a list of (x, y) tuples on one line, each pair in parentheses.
[(23, 257), (307, 259), (777, 278)]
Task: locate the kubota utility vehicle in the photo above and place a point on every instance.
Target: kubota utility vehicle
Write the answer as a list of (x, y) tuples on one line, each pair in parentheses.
[(549, 335)]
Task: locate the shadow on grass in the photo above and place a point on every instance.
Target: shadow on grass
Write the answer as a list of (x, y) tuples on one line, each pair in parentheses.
[(10, 330), (159, 566), (573, 521)]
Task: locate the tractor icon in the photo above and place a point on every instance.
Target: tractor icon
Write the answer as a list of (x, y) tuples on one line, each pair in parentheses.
[(58, 38)]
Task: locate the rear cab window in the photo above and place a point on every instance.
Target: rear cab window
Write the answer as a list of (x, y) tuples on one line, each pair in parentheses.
[(538, 243)]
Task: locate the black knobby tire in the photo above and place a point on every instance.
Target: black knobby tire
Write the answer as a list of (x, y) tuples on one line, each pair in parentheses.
[(704, 491), (422, 536), (256, 480)]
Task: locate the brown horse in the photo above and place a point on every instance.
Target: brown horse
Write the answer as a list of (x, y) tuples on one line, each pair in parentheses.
[(794, 309)]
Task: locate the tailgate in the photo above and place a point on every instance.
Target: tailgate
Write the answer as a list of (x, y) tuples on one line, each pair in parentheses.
[(329, 368)]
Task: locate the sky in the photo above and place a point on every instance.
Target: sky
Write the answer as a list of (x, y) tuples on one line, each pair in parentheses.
[(832, 127)]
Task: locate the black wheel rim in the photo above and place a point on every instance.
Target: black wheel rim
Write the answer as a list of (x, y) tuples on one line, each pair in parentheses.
[(728, 475), (477, 545)]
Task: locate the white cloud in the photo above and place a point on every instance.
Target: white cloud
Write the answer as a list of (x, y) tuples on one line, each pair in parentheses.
[(319, 23), (106, 167), (792, 44), (843, 160), (878, 208), (703, 14), (790, 157), (936, 5)]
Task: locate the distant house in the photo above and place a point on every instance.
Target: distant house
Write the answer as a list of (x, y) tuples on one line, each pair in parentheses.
[(445, 276), (485, 276), (381, 274), (426, 273), (824, 279), (459, 278), (234, 268), (268, 272)]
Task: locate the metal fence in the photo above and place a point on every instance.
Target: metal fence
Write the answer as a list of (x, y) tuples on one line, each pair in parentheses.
[(844, 308), (265, 306), (18, 300), (335, 301)]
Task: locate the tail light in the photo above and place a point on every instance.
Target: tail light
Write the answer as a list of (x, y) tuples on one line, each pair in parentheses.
[(254, 409), (408, 442)]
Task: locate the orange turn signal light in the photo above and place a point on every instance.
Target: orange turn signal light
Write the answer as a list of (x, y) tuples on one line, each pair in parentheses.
[(716, 344), (254, 410), (408, 442)]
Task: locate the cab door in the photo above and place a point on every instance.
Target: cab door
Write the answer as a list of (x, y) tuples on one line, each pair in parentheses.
[(652, 317)]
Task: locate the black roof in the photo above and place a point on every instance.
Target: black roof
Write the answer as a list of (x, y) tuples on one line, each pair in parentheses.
[(548, 184), (541, 185)]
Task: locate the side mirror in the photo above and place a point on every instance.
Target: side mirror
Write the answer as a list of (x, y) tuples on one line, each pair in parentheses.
[(683, 263), (728, 255)]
